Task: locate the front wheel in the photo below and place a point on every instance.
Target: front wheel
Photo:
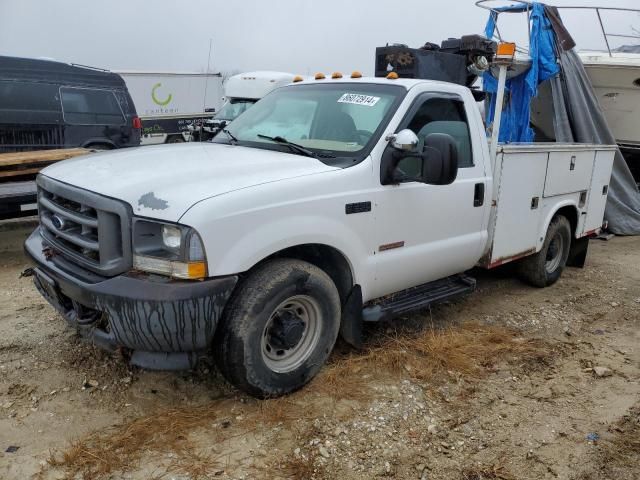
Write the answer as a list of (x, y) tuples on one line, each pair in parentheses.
[(278, 329), (545, 267)]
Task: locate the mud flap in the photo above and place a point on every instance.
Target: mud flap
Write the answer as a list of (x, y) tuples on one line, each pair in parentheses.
[(351, 324), (578, 252)]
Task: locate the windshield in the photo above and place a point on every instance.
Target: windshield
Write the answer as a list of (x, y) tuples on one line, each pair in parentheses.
[(335, 120), (233, 108)]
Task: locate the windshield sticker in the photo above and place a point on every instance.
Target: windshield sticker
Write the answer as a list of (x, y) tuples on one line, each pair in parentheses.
[(357, 99)]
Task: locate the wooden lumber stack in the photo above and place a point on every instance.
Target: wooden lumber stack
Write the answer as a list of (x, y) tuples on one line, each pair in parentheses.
[(22, 164)]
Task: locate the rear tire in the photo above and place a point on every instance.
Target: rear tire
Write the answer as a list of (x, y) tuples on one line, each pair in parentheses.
[(278, 328), (545, 267), (175, 139)]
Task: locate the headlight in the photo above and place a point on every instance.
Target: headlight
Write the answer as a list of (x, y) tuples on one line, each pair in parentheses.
[(171, 236), (168, 249)]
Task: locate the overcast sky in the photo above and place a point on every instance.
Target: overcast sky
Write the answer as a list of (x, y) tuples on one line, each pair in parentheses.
[(300, 36)]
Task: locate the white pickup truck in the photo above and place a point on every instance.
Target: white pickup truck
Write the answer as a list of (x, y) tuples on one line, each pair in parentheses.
[(261, 251)]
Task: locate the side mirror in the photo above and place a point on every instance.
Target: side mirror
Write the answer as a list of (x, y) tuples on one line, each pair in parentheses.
[(405, 140), (439, 159)]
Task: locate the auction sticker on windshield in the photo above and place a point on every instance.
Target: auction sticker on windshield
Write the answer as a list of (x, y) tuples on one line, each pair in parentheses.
[(357, 99)]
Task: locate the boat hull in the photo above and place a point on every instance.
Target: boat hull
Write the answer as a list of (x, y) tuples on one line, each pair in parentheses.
[(616, 82)]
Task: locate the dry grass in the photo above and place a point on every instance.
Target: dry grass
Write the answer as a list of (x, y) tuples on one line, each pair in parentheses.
[(624, 449), (281, 410), (121, 447), (470, 351), (301, 467), (494, 472), (618, 457)]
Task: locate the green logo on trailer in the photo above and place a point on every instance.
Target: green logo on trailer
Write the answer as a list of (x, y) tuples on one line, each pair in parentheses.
[(162, 103)]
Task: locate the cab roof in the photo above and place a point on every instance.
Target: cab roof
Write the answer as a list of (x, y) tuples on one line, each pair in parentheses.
[(407, 83)]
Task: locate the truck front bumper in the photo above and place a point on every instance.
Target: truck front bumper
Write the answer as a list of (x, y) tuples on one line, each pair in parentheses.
[(163, 323)]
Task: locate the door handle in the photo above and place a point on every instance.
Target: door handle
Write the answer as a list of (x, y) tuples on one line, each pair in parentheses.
[(478, 195)]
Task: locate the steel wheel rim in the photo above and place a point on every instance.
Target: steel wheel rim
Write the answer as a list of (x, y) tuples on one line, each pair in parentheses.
[(554, 253), (293, 311)]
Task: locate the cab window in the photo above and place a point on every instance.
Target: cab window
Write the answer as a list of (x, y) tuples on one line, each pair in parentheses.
[(439, 115), (337, 121)]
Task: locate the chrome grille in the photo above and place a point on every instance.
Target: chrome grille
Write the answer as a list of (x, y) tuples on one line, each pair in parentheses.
[(87, 228)]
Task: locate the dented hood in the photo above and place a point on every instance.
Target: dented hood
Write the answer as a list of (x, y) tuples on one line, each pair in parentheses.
[(164, 181)]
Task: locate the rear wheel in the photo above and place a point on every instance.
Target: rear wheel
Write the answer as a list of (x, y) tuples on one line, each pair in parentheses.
[(545, 267), (175, 139), (100, 147), (278, 329)]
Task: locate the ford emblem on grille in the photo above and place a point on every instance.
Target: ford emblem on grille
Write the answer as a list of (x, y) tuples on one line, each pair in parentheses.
[(58, 222)]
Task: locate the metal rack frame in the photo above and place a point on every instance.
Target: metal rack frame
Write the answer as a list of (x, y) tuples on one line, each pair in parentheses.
[(527, 4)]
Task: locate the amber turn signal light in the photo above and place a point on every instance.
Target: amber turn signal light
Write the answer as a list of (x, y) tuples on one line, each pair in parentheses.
[(506, 50)]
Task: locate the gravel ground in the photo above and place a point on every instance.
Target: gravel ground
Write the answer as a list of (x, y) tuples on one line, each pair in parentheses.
[(565, 408)]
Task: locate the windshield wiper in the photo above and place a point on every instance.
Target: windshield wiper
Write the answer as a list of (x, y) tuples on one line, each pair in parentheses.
[(231, 136), (294, 147)]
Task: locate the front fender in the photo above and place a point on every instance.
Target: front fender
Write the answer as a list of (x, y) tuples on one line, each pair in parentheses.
[(242, 228), (246, 252)]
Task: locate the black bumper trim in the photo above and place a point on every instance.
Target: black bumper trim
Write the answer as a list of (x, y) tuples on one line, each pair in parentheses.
[(144, 313)]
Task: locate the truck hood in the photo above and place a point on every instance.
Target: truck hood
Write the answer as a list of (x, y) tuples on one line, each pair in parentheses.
[(165, 181)]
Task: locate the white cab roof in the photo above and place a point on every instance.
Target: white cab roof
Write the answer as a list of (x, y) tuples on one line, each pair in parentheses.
[(255, 85), (407, 83)]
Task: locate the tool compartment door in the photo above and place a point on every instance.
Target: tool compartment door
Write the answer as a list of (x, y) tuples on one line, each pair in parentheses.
[(519, 205), (568, 172), (599, 189)]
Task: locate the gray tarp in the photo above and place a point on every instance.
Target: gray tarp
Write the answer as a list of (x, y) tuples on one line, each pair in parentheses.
[(579, 118)]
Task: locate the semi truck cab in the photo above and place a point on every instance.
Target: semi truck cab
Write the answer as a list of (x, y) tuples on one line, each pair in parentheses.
[(241, 92)]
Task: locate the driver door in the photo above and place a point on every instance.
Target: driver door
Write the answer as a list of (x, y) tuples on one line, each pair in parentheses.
[(427, 232)]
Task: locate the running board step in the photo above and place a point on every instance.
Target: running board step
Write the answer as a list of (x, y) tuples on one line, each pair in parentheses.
[(419, 297)]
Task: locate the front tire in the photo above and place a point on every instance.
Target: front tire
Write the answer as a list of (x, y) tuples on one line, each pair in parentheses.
[(545, 267), (278, 328)]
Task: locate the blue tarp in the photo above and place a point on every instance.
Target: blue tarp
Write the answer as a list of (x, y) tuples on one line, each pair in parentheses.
[(515, 125)]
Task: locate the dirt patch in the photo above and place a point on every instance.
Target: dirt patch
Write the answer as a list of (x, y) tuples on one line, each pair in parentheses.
[(619, 450), (502, 384), (469, 351)]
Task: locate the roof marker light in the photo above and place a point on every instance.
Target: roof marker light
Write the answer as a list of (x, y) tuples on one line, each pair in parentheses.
[(297, 78), (392, 76), (336, 75), (320, 76), (356, 74)]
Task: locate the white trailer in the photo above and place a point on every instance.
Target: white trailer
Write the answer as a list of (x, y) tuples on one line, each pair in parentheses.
[(168, 102)]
